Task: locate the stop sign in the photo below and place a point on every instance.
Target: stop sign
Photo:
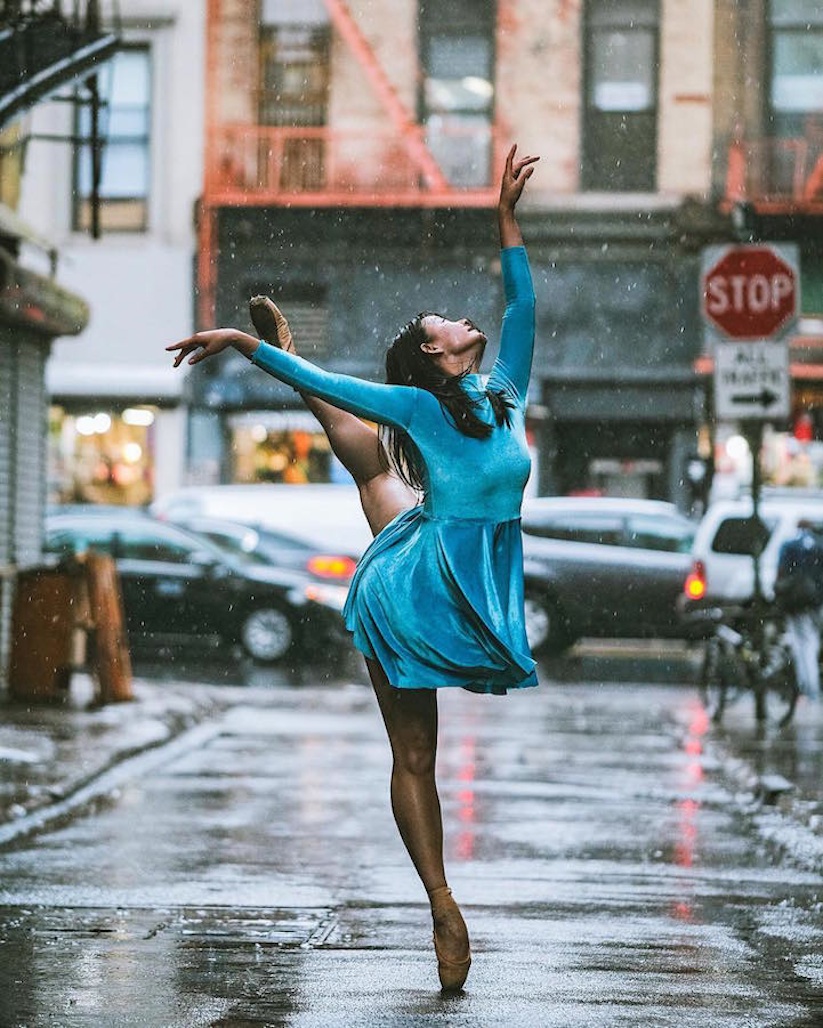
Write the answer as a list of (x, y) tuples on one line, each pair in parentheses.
[(750, 293)]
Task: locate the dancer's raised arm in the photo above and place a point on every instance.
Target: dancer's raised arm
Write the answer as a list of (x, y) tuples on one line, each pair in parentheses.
[(512, 368)]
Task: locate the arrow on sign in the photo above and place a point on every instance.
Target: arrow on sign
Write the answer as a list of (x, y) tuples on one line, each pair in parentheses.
[(765, 398)]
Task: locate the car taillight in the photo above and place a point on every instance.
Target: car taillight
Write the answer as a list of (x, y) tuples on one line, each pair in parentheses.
[(329, 566), (695, 584)]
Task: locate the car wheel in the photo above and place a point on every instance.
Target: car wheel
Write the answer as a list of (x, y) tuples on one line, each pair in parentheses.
[(546, 628), (267, 634)]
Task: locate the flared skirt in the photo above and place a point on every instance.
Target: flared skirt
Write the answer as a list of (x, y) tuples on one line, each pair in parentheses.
[(439, 603)]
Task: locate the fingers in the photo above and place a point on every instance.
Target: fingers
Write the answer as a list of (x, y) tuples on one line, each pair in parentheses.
[(517, 166), (186, 346), (524, 164)]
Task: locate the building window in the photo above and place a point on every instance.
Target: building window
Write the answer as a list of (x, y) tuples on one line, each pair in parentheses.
[(125, 123), (620, 111), (457, 98), (294, 94), (796, 68)]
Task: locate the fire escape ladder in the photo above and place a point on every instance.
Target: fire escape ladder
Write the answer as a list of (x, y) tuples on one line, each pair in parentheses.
[(405, 124)]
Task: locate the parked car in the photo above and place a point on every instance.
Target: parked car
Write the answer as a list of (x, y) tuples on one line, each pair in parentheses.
[(722, 566), (270, 546), (326, 515), (602, 567), (177, 584)]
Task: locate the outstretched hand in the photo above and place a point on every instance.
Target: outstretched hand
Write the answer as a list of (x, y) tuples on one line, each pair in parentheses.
[(516, 173), (208, 344)]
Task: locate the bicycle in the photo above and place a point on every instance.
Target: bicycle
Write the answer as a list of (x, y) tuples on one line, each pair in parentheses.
[(747, 651)]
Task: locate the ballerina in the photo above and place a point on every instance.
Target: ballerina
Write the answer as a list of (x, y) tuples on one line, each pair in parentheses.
[(437, 599)]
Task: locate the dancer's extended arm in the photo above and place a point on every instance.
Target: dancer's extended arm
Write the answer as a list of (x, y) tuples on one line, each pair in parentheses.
[(387, 404)]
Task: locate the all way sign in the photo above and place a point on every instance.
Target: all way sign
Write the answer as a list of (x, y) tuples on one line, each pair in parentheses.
[(751, 380)]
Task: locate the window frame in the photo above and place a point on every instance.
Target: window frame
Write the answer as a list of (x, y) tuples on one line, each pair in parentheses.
[(784, 124), (642, 173), (446, 21), (81, 204)]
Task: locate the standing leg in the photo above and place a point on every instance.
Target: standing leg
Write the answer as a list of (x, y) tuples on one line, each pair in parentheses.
[(410, 716)]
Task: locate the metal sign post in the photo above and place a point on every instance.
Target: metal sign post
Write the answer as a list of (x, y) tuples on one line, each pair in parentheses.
[(750, 299)]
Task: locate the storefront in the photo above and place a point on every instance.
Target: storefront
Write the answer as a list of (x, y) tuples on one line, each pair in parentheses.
[(279, 446), (102, 454)]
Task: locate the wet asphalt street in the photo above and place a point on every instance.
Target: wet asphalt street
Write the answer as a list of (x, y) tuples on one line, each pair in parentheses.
[(250, 874)]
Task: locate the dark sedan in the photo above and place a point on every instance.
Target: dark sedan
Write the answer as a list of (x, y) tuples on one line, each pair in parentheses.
[(179, 585), (600, 567), (274, 547)]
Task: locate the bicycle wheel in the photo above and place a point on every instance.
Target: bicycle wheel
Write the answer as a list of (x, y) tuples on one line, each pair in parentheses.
[(713, 683)]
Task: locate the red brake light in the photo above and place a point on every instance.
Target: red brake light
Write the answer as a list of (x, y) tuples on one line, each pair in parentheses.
[(329, 566), (695, 584)]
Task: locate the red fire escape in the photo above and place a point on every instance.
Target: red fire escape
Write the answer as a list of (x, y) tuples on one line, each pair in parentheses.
[(254, 165), (778, 175)]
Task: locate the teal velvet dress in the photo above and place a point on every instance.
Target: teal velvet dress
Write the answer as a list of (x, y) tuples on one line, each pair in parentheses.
[(437, 598)]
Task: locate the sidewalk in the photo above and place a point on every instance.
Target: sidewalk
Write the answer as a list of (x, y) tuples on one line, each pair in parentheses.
[(48, 752)]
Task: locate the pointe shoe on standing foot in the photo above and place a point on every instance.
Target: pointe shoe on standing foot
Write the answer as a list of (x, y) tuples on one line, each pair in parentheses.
[(453, 969)]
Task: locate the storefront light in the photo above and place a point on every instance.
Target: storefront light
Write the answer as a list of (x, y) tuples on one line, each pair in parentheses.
[(259, 433), (93, 424), (132, 452), (138, 416), (85, 425), (737, 448)]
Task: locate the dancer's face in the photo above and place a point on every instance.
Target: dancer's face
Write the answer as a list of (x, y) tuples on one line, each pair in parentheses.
[(454, 345)]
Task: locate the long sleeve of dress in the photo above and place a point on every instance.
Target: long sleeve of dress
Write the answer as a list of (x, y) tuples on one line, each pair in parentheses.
[(385, 404), (514, 361)]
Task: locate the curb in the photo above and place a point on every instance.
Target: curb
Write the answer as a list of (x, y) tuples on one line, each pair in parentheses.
[(779, 813), (71, 791), (106, 781)]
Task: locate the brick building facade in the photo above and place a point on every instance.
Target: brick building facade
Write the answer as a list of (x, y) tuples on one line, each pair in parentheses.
[(353, 153)]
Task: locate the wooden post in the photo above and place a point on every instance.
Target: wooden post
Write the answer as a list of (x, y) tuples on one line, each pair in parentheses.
[(110, 654)]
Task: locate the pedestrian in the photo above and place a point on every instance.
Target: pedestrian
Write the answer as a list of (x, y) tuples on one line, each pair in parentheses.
[(799, 593), (437, 599)]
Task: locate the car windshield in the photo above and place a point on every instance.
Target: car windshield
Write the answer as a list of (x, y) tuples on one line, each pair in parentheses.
[(578, 528)]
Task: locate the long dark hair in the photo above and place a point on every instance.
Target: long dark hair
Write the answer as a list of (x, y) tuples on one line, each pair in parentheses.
[(408, 364)]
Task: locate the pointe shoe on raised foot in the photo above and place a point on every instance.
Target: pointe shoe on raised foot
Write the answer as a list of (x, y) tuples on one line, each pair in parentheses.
[(269, 322), (452, 972)]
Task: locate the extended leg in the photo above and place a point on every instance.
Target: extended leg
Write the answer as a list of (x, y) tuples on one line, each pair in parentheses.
[(355, 444), (410, 716)]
